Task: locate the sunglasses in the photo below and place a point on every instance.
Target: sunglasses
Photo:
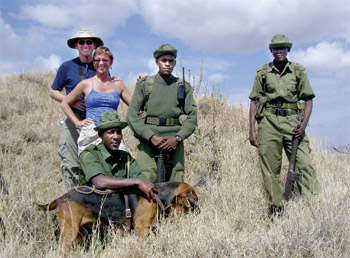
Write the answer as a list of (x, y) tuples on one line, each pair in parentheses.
[(103, 60), (88, 42)]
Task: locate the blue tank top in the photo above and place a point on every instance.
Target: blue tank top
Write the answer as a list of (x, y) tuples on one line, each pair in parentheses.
[(98, 102)]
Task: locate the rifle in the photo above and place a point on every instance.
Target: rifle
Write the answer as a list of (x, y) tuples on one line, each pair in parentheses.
[(160, 167), (292, 175)]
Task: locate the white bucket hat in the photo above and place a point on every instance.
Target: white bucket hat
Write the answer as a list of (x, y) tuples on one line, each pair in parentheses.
[(83, 34)]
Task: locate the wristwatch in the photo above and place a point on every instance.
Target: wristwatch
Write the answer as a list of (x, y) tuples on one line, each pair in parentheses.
[(178, 138)]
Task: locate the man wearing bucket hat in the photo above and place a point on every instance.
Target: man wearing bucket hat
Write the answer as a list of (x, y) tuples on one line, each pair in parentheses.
[(278, 88), (69, 74), (169, 117), (105, 166)]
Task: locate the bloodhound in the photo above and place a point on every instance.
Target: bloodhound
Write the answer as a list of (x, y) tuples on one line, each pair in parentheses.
[(83, 208)]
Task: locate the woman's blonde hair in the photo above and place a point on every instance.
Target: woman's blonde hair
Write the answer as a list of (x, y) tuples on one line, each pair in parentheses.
[(103, 50)]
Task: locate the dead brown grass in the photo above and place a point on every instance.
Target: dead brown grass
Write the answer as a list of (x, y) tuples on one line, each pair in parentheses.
[(220, 161)]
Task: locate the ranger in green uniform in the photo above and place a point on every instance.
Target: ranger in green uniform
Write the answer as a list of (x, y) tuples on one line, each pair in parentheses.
[(278, 88), (105, 166), (167, 117)]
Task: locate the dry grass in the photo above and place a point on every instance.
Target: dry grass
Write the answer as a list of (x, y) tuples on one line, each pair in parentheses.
[(233, 221)]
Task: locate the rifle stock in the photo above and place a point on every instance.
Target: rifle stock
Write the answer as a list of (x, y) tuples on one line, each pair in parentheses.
[(292, 175)]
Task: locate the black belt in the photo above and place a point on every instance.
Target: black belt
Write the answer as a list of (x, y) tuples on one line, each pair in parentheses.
[(282, 104), (161, 121), (281, 111)]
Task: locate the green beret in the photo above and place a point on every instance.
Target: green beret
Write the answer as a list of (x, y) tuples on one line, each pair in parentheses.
[(110, 119), (280, 40), (165, 49)]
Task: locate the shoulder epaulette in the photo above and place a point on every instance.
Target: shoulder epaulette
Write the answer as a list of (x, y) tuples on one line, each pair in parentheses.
[(297, 72), (263, 71)]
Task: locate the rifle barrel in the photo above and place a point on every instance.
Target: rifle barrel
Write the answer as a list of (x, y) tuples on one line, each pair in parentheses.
[(292, 176), (160, 168)]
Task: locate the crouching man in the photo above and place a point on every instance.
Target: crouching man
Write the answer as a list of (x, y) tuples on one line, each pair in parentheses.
[(105, 166)]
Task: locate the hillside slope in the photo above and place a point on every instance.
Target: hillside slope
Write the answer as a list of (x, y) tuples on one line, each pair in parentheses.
[(219, 161)]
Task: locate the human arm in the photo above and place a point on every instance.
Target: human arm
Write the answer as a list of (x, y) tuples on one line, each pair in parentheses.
[(67, 79), (253, 137), (70, 99), (58, 96), (306, 94), (148, 188), (298, 132), (95, 170), (124, 93), (135, 121)]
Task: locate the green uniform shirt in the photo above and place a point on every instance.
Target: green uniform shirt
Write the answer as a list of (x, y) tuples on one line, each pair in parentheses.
[(162, 102), (95, 160), (282, 84)]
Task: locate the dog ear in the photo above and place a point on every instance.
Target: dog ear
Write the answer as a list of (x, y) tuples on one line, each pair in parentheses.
[(185, 201), (193, 201)]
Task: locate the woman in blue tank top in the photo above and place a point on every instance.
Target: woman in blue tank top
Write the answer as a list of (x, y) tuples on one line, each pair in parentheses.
[(101, 94)]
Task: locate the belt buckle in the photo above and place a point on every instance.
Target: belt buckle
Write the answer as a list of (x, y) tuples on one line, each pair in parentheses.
[(162, 121), (279, 104), (128, 213)]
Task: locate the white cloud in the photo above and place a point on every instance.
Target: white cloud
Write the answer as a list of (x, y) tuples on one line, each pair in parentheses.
[(326, 58), (152, 67), (49, 15), (10, 42), (44, 64), (102, 17), (236, 26)]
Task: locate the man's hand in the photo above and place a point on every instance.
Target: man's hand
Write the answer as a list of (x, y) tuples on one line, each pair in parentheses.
[(253, 138), (164, 143), (148, 188), (79, 104), (169, 144), (116, 79), (141, 76), (299, 132), (157, 140)]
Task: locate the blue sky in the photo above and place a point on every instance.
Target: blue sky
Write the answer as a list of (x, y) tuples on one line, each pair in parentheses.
[(230, 38)]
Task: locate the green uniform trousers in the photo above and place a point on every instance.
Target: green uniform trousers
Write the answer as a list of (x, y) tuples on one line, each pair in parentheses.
[(276, 132), (174, 162), (68, 151)]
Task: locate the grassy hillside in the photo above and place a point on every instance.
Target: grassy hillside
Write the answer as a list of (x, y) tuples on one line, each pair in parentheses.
[(219, 160)]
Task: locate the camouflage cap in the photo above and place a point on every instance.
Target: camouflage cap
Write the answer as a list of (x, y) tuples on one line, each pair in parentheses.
[(280, 40), (110, 119), (165, 49)]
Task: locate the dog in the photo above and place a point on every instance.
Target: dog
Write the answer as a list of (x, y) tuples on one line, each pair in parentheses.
[(83, 209)]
